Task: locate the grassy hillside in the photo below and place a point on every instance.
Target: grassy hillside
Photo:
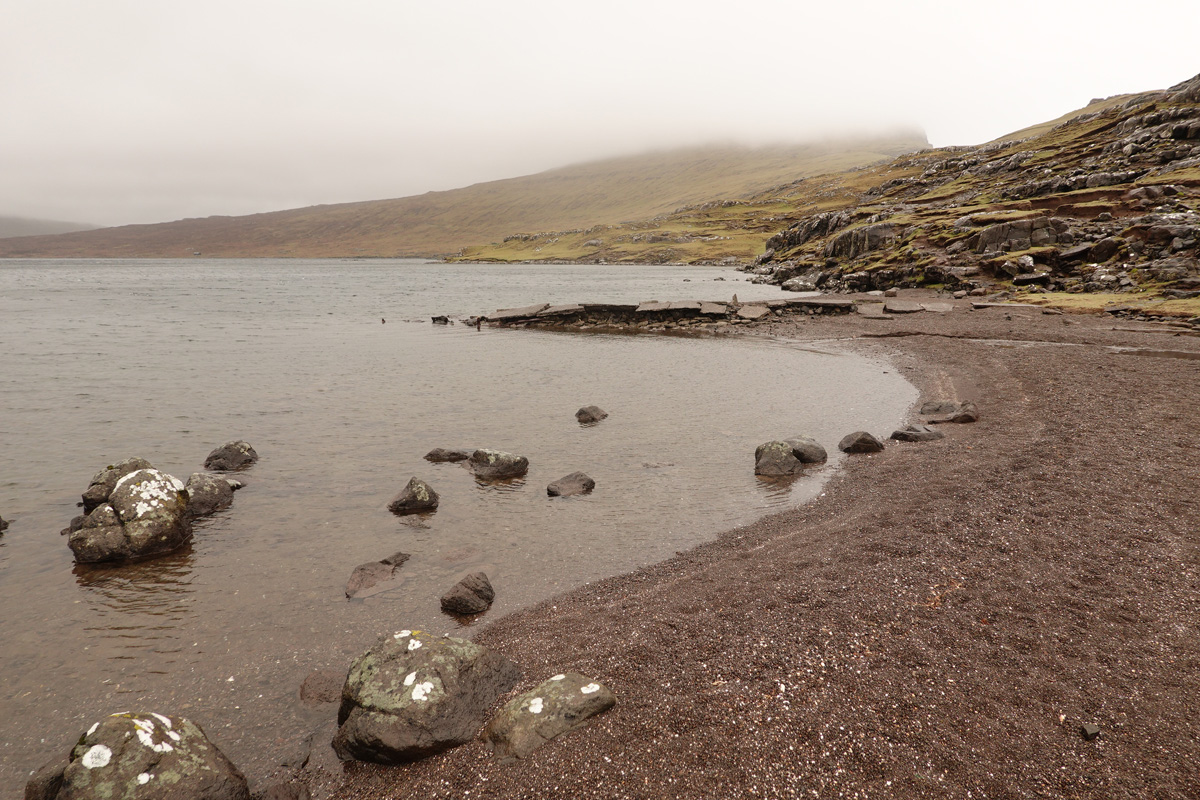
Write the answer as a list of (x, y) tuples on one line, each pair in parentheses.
[(440, 223)]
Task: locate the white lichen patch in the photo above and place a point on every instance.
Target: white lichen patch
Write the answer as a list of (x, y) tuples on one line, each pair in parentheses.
[(401, 634), (97, 756), (414, 644), (590, 688), (144, 778), (535, 705), (145, 733), (92, 729), (559, 677), (421, 691), (409, 678)]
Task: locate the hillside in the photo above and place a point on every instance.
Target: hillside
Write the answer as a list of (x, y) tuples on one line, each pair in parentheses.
[(19, 226), (438, 223)]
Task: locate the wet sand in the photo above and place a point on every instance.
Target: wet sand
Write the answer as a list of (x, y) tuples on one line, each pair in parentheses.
[(939, 623)]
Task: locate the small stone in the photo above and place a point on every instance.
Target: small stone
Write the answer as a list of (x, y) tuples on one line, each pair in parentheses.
[(575, 483), (441, 454), (1089, 731), (860, 442), (417, 497), (472, 595), (231, 456), (590, 414), (497, 465)]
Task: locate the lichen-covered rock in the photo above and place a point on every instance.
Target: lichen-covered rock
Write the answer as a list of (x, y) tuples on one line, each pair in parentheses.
[(103, 481), (917, 433), (441, 454), (562, 704), (575, 483), (146, 514), (472, 595), (773, 459), (860, 442), (150, 757), (231, 456), (590, 414), (497, 465), (414, 694), (417, 497), (208, 494)]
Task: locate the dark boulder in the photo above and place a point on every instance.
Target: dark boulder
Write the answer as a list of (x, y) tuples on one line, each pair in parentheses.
[(147, 514), (45, 783), (774, 459), (560, 705), (806, 449), (373, 573), (472, 595), (208, 493), (149, 756), (417, 497), (860, 442), (497, 465), (917, 433), (415, 694), (103, 481), (575, 483), (590, 414), (952, 412), (3, 525), (441, 454), (231, 456)]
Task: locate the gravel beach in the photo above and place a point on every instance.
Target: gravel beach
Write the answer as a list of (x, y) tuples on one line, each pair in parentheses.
[(941, 622)]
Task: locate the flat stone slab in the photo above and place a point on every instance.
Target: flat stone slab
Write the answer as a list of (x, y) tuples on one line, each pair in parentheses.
[(822, 302), (938, 308), (902, 307), (685, 305), (713, 309), (871, 310), (1004, 305), (509, 314), (651, 306), (753, 312), (561, 311)]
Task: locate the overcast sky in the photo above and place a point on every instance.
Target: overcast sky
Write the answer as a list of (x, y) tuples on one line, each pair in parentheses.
[(121, 111)]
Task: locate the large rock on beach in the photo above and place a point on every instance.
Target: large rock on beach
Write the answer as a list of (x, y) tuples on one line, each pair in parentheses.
[(497, 465), (231, 456), (414, 694), (106, 479), (208, 493), (943, 412), (590, 414), (373, 573), (441, 454), (575, 483), (917, 433), (807, 449), (418, 497), (146, 514), (146, 756), (860, 442), (559, 705), (472, 595)]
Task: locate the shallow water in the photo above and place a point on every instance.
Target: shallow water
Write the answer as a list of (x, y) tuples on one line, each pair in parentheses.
[(102, 360)]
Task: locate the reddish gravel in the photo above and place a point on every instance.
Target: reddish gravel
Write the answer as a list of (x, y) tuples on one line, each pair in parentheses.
[(938, 624)]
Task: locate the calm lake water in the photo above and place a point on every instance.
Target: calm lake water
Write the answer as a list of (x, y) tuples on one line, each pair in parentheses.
[(103, 360)]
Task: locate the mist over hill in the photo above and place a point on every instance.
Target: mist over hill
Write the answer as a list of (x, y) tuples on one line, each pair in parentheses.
[(19, 226)]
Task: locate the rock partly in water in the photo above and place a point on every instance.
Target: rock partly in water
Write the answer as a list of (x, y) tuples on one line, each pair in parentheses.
[(472, 595), (373, 573), (917, 433), (148, 756), (590, 414), (773, 459), (860, 442), (103, 481), (560, 705), (231, 456), (208, 493), (146, 514), (497, 465), (3, 524), (418, 497), (414, 694), (575, 483), (441, 454), (807, 449)]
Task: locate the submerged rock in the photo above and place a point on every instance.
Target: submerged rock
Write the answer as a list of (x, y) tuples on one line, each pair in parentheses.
[(472, 595), (231, 456), (146, 514), (860, 442), (575, 483), (414, 694), (497, 465), (373, 573), (3, 524), (441, 454), (417, 497), (144, 755), (562, 704), (590, 414)]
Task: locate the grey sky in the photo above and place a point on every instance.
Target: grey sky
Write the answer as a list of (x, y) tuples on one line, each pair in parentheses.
[(119, 111)]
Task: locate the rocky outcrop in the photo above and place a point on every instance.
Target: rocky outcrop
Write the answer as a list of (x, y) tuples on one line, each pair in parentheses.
[(589, 415), (106, 479), (472, 595), (573, 484), (367, 576), (231, 456), (559, 705), (144, 755), (860, 442), (418, 497), (497, 465), (414, 694), (146, 514)]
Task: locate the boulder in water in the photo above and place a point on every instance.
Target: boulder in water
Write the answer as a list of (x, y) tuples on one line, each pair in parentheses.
[(497, 465), (472, 595), (417, 497), (146, 514), (231, 456), (575, 483)]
